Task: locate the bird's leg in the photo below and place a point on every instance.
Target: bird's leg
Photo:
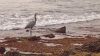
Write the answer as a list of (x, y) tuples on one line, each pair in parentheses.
[(30, 32)]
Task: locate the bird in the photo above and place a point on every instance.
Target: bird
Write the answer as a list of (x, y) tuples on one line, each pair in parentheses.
[(31, 24)]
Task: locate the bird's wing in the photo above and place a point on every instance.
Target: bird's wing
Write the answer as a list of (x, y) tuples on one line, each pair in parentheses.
[(30, 24)]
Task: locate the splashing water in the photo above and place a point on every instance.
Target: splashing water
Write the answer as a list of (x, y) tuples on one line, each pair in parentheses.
[(7, 23)]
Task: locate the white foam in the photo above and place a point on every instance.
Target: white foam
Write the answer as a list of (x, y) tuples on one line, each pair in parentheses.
[(7, 23), (49, 19)]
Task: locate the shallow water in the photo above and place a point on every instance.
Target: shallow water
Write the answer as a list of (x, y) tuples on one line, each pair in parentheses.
[(17, 13)]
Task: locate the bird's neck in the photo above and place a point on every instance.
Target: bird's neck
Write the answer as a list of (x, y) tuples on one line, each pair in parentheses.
[(35, 17)]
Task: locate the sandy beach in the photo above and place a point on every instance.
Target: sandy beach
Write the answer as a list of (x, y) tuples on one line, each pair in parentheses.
[(63, 28), (76, 33)]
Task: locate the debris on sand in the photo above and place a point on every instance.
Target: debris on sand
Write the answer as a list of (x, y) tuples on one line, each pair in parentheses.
[(56, 37), (21, 53), (34, 38), (92, 46), (14, 53), (49, 35), (10, 49), (61, 30), (2, 50)]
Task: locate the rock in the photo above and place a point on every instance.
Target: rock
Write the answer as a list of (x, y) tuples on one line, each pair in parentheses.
[(61, 30), (15, 53), (15, 29), (2, 50), (34, 38), (49, 35)]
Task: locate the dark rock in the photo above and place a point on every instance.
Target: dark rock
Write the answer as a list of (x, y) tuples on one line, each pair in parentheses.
[(34, 38), (15, 28), (2, 50), (49, 35), (12, 53), (61, 30)]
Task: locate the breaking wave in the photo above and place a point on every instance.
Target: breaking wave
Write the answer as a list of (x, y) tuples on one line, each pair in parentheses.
[(7, 23)]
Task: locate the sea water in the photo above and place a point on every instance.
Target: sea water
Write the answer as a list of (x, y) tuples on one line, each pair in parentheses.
[(18, 13)]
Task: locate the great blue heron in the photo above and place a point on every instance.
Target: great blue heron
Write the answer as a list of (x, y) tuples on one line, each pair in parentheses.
[(31, 24)]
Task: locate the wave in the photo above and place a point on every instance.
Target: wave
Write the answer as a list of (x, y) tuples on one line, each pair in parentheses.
[(7, 23), (58, 19)]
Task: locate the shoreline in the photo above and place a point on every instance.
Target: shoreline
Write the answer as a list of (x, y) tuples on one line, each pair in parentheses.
[(75, 29), (77, 34)]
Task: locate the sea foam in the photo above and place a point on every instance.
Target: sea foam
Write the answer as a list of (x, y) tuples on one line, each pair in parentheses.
[(7, 23)]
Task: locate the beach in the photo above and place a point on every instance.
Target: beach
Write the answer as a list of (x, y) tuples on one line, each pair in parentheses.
[(63, 27), (76, 33), (75, 29)]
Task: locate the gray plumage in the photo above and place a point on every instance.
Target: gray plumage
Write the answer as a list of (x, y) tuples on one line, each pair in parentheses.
[(31, 24)]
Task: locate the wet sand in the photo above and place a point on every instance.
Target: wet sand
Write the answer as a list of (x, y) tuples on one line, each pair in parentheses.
[(55, 47), (76, 33)]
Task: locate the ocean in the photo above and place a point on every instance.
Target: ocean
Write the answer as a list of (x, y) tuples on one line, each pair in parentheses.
[(18, 13)]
